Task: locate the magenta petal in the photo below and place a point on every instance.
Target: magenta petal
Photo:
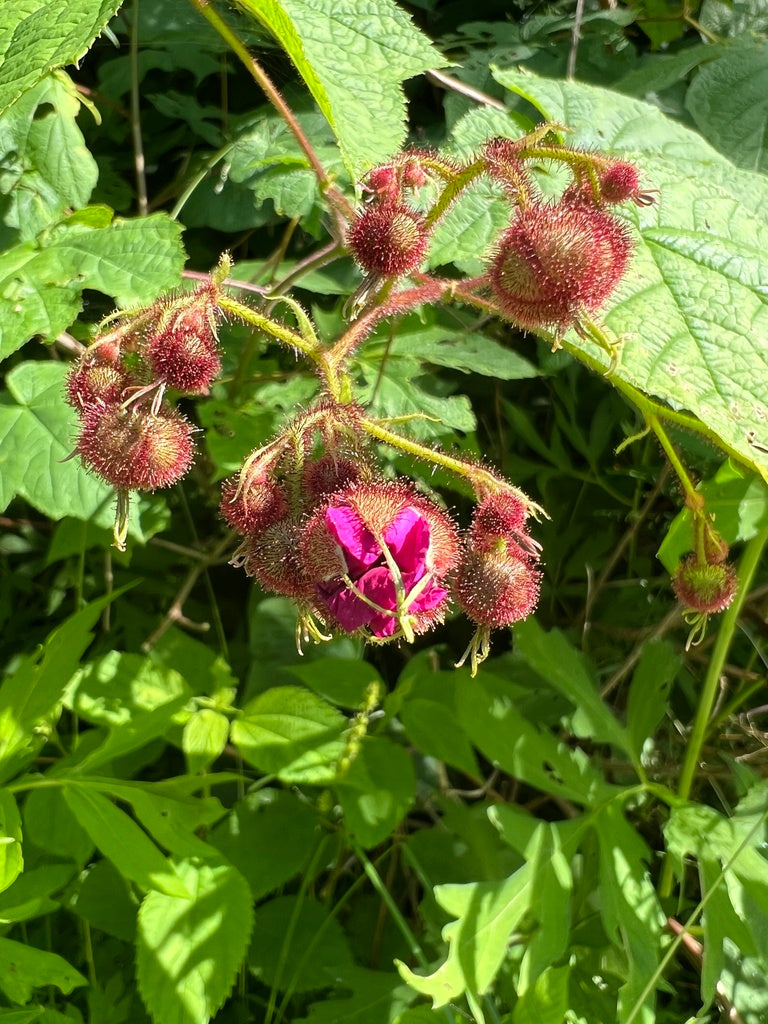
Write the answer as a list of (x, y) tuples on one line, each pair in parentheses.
[(349, 611), (407, 537), (356, 541), (432, 596)]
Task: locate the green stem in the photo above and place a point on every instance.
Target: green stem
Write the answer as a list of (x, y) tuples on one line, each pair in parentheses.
[(335, 197), (746, 571), (271, 327), (692, 497)]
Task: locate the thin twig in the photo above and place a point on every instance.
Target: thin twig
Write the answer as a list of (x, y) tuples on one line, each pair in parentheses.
[(670, 620), (455, 85), (575, 39), (138, 145), (175, 613)]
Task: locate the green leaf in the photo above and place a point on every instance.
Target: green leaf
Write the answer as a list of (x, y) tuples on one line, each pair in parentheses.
[(46, 164), (135, 699), (11, 858), (32, 692), (728, 101), (377, 997), (563, 667), (24, 968), (376, 791), (343, 682), (54, 827), (292, 733), (738, 504), (28, 897), (188, 951), (269, 837), (425, 702), (659, 664), (120, 839), (204, 738), (104, 899), (496, 727), (552, 881), (39, 35), (693, 309), (486, 914), (297, 945), (547, 1001), (629, 907), (361, 95), (41, 281)]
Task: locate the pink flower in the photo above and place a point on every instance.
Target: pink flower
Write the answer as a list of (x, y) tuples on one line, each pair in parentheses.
[(380, 552)]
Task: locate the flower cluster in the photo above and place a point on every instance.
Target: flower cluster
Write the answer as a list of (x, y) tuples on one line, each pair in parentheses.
[(374, 557), (131, 435)]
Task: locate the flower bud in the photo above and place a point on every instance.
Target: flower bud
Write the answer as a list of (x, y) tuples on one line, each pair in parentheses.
[(253, 504), (388, 239), (496, 588), (136, 449), (95, 383), (704, 587), (183, 352), (557, 260), (328, 474), (273, 560)]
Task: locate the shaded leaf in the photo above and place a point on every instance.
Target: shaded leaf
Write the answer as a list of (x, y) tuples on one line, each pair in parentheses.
[(377, 789), (24, 968), (188, 951)]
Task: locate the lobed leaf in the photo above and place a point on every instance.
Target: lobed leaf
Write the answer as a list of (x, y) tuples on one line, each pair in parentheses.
[(39, 35), (189, 950), (361, 95)]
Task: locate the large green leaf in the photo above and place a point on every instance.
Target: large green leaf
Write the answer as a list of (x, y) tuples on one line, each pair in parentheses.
[(38, 35), (189, 950), (693, 308), (24, 968), (41, 281), (269, 837), (46, 166), (563, 667), (37, 432), (377, 789), (728, 100), (361, 95), (292, 732), (493, 722), (121, 840), (32, 692)]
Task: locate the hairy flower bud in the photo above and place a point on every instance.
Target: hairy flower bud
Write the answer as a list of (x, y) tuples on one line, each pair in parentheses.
[(96, 383), (496, 588), (183, 352), (557, 260), (704, 587), (136, 449), (388, 239), (253, 504), (328, 474), (272, 560)]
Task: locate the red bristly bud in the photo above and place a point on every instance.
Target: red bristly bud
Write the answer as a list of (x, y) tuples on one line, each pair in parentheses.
[(273, 559), (95, 383), (251, 505), (135, 449), (388, 239), (328, 474), (497, 587), (703, 587), (183, 352), (557, 260)]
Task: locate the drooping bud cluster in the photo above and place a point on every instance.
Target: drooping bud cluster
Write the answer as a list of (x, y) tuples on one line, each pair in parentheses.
[(362, 554), (131, 435)]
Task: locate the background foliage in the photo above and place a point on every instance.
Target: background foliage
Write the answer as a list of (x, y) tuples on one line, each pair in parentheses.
[(198, 824)]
